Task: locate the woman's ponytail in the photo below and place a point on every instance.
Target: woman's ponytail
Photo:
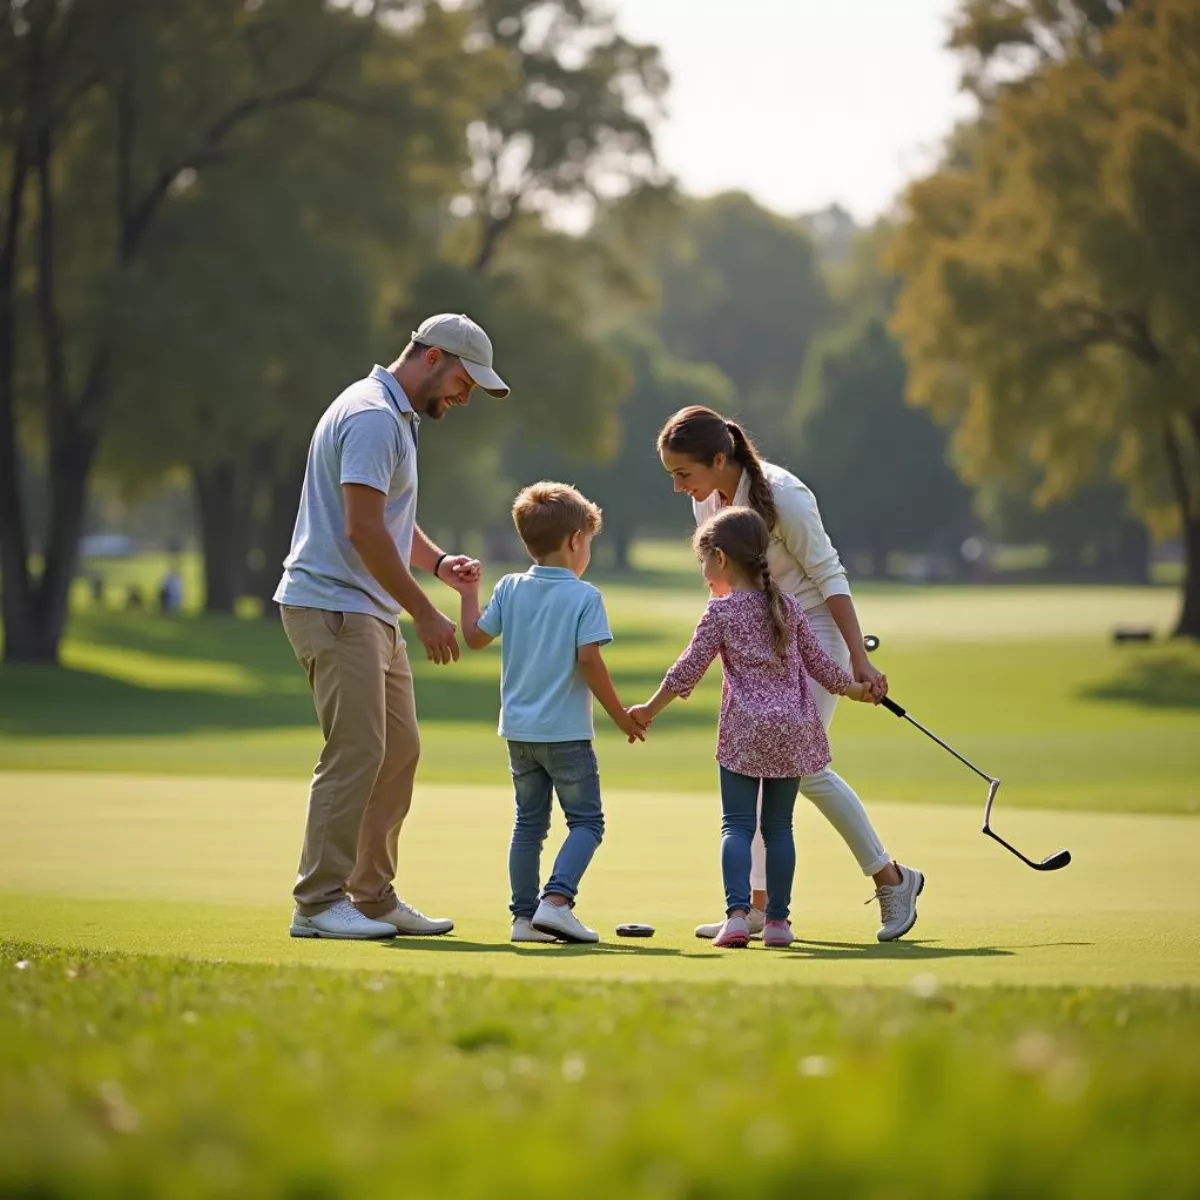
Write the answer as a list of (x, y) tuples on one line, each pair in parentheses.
[(745, 454)]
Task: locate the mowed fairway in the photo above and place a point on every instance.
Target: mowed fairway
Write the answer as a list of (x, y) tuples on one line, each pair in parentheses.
[(200, 867), (161, 1035)]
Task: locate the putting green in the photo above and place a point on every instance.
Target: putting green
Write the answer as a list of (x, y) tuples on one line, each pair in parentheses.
[(202, 867)]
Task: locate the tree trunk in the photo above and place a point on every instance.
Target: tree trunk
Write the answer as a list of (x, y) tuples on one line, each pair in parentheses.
[(35, 617), (622, 543), (275, 536), (222, 537), (1189, 613), (1188, 501)]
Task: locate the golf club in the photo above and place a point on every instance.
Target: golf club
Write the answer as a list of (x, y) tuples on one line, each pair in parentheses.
[(1052, 862)]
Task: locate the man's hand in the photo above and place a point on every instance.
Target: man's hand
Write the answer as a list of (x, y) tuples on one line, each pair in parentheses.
[(437, 634), (459, 572)]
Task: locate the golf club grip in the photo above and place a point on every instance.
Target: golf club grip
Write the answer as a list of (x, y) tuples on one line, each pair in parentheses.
[(893, 707)]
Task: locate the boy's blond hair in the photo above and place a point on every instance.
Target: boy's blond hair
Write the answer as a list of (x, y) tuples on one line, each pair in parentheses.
[(547, 513)]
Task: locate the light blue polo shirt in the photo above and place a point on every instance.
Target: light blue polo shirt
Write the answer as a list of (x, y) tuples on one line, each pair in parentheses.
[(367, 435), (544, 616)]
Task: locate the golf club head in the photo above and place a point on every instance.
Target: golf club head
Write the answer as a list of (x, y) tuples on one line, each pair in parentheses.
[(1055, 861), (1052, 862)]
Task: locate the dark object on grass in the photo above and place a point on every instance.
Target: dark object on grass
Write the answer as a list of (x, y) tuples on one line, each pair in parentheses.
[(1133, 633), (1052, 862), (635, 930)]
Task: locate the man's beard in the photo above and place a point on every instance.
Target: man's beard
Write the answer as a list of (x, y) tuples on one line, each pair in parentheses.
[(430, 401)]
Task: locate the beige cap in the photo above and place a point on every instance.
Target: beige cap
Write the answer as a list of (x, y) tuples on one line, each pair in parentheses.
[(457, 334)]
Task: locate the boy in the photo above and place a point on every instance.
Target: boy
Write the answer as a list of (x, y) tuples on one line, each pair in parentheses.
[(553, 626)]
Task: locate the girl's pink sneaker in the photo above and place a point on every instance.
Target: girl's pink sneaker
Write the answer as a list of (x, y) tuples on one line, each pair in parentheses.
[(734, 934), (778, 933)]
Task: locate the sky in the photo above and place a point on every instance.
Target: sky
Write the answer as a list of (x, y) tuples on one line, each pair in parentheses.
[(801, 103)]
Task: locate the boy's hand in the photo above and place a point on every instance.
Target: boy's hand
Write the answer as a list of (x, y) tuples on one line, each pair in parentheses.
[(460, 572), (634, 731), (641, 714)]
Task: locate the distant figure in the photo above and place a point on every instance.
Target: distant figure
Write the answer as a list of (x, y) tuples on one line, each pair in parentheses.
[(134, 600), (170, 592), (96, 583)]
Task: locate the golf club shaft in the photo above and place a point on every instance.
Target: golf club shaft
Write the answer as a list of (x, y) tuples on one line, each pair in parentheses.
[(893, 707)]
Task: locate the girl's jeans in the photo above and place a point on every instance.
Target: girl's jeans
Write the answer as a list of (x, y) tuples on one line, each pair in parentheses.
[(739, 816), (538, 770)]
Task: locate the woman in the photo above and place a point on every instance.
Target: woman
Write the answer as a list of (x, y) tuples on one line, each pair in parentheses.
[(712, 460)]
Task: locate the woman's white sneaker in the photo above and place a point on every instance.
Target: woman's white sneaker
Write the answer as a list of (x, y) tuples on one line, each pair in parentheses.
[(523, 931), (898, 903), (340, 920), (559, 921)]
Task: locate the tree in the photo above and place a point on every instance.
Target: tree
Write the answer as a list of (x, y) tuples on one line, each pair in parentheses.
[(107, 111), (742, 289), (1091, 534), (574, 126), (567, 392), (1051, 280), (632, 488), (286, 252), (878, 466)]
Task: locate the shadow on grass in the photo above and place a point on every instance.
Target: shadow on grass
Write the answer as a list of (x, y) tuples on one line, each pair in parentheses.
[(1160, 681), (269, 693), (569, 950), (910, 951)]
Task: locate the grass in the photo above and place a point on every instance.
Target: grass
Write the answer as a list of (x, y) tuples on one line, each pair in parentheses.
[(160, 1035), (146, 864), (1023, 680), (129, 1077)]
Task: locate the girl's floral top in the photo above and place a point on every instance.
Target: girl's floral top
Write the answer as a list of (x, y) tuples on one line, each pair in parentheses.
[(769, 727)]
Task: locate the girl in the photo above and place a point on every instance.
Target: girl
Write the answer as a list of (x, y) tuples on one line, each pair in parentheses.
[(716, 464), (770, 732)]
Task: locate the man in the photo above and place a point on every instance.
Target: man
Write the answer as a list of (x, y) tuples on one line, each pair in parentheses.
[(344, 583)]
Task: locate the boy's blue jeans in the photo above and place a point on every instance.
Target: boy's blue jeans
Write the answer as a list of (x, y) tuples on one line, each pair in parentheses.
[(739, 816), (538, 769)]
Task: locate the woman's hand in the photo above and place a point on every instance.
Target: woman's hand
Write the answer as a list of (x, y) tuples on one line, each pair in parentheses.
[(864, 671)]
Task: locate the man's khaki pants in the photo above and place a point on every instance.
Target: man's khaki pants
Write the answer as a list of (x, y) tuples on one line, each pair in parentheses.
[(362, 688)]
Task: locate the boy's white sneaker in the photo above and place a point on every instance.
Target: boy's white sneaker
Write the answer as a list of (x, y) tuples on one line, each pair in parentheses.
[(340, 920), (559, 921), (414, 923), (523, 931), (754, 922), (898, 903)]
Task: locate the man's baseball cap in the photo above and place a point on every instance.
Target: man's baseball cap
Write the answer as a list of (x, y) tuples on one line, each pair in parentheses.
[(457, 334)]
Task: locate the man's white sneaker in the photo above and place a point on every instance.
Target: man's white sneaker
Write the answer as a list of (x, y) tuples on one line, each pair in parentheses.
[(340, 920), (559, 921), (898, 904), (755, 921), (408, 920), (523, 931)]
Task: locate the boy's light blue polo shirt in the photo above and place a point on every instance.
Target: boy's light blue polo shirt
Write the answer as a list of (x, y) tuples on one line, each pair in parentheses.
[(544, 616)]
